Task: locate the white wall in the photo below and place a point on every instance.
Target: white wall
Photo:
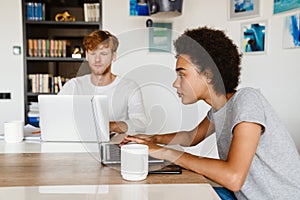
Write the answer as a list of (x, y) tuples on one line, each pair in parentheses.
[(11, 67), (275, 72)]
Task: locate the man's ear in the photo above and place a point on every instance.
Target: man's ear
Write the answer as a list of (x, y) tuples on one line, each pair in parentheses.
[(86, 55)]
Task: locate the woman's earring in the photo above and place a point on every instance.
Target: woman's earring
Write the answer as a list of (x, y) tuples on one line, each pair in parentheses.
[(208, 79)]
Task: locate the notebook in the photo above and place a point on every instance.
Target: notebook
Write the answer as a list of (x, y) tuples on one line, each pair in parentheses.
[(74, 118)]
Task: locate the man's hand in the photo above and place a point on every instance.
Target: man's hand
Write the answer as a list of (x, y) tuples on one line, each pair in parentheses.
[(118, 127)]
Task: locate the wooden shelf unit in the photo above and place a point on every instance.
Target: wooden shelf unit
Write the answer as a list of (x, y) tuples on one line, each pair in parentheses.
[(71, 32)]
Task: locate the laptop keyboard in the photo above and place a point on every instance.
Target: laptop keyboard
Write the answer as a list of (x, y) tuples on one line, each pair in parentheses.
[(112, 153)]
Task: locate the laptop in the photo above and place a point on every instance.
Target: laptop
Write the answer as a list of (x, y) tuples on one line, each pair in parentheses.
[(80, 118), (74, 118)]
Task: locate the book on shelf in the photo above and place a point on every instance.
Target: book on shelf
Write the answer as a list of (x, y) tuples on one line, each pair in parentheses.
[(47, 48), (51, 48), (35, 46), (43, 48), (45, 83), (91, 12), (35, 11), (39, 48), (30, 47)]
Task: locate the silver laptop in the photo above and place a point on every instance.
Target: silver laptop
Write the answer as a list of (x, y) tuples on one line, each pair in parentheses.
[(74, 118), (82, 118)]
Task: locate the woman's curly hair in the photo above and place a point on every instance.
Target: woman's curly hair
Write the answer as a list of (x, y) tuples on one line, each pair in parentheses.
[(211, 50)]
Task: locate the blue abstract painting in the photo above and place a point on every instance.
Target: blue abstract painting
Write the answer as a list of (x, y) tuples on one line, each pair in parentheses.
[(291, 35), (139, 8), (243, 5), (243, 8), (285, 5), (254, 37)]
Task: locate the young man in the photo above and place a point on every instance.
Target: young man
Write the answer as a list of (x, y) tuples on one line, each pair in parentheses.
[(258, 158), (126, 106)]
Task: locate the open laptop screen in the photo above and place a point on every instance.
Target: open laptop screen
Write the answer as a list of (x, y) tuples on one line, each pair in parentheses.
[(74, 118)]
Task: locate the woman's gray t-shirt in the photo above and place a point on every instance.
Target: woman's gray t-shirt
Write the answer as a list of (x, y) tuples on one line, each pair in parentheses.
[(275, 169)]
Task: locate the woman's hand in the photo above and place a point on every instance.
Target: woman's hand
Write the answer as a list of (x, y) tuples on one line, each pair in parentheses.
[(148, 138), (155, 150)]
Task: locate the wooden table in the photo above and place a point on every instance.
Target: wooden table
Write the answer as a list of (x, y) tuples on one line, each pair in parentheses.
[(46, 169)]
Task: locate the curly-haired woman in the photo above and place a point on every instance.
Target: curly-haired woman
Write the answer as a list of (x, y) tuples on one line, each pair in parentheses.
[(258, 158)]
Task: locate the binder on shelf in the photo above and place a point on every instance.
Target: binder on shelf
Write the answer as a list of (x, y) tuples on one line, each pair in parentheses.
[(35, 11), (39, 11), (30, 10), (91, 12)]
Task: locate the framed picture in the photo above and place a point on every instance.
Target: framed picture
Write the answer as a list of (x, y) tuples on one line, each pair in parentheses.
[(160, 37), (285, 5), (139, 8), (243, 8), (254, 37), (291, 31)]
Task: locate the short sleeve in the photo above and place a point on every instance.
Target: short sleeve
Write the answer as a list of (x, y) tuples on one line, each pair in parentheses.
[(248, 107)]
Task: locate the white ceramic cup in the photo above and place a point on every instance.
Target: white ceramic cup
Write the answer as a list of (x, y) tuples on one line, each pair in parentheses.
[(13, 131), (134, 162)]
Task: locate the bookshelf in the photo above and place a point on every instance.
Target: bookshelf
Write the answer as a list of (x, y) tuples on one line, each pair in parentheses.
[(52, 30)]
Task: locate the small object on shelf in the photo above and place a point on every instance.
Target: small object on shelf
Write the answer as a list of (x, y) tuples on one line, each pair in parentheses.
[(149, 23), (77, 53), (64, 17)]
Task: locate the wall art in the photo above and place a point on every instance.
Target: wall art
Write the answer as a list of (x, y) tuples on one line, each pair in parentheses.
[(285, 5), (254, 37), (291, 31), (243, 9)]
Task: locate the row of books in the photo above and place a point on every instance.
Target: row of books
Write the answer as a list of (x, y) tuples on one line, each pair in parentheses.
[(91, 12), (45, 83), (35, 11), (47, 48)]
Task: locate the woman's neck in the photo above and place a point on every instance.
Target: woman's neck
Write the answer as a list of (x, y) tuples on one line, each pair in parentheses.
[(217, 101)]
